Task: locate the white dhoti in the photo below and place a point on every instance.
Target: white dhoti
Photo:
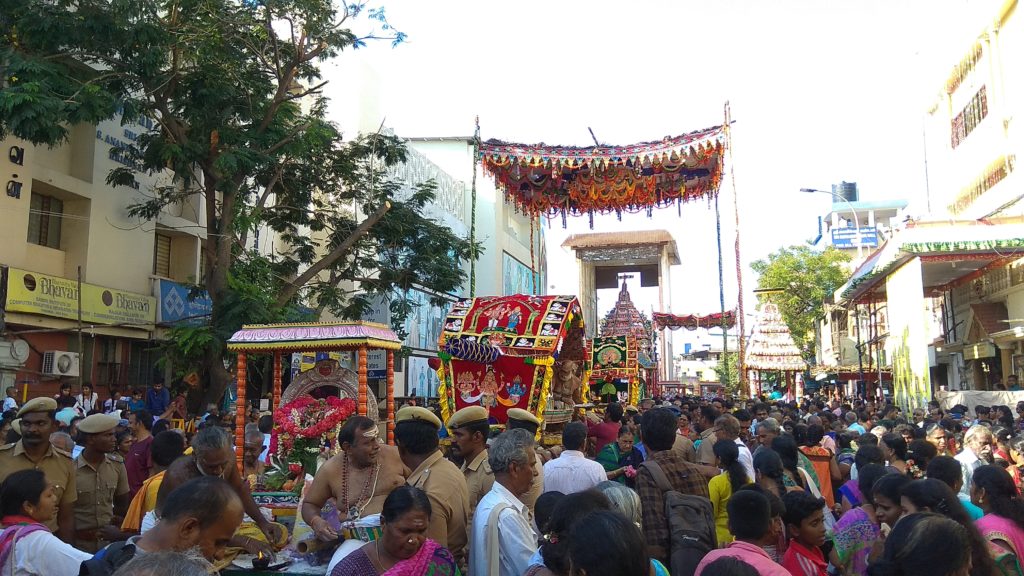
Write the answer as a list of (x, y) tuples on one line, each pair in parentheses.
[(344, 549)]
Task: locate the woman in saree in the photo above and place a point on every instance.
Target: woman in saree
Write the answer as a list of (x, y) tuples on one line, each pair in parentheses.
[(857, 530), (617, 457), (403, 548), (849, 492), (993, 491), (822, 462)]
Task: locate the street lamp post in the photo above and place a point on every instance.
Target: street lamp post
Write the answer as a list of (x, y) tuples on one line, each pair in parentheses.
[(856, 221), (860, 254)]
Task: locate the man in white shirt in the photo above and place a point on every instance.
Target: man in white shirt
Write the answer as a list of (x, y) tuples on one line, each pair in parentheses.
[(976, 453), (727, 427), (572, 471), (502, 538)]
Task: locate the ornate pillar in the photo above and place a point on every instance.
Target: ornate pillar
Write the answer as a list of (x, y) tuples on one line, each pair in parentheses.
[(276, 401), (390, 410), (361, 394), (240, 382)]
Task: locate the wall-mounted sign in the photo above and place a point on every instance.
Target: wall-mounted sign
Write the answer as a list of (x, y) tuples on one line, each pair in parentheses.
[(979, 350), (176, 306), (58, 297), (847, 237)]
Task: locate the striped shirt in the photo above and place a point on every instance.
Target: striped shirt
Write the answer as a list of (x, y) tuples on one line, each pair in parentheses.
[(800, 560)]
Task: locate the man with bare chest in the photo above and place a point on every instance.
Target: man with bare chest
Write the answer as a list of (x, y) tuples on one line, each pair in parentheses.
[(359, 478), (214, 456)]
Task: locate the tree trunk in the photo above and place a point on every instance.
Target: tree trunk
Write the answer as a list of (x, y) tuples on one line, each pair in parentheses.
[(219, 377)]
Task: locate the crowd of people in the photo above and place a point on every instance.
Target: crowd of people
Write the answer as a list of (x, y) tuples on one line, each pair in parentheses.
[(672, 486)]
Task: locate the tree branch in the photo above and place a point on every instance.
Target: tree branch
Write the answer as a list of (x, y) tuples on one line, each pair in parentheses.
[(292, 287)]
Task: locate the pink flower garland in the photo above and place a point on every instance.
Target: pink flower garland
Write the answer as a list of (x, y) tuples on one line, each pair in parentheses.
[(311, 418)]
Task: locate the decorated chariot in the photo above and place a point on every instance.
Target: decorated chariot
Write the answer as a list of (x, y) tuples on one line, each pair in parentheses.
[(520, 351)]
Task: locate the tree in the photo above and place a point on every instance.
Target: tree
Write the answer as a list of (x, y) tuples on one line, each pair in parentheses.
[(234, 88), (728, 371), (804, 280)]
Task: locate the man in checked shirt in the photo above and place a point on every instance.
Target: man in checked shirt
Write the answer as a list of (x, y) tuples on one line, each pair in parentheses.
[(658, 430)]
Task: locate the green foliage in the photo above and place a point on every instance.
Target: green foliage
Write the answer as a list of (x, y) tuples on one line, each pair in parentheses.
[(805, 279), (728, 371), (234, 89)]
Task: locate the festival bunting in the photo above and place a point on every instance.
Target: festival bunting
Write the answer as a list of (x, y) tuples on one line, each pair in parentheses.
[(573, 181), (694, 321)]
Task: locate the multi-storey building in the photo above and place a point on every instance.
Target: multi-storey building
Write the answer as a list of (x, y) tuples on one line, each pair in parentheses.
[(950, 281), (86, 286)]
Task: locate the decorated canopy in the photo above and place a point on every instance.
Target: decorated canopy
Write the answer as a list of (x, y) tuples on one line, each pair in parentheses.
[(617, 358), (499, 351), (568, 180), (280, 339), (694, 321), (303, 337), (771, 345)]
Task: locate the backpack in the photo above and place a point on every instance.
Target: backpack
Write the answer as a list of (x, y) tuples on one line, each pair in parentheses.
[(691, 524), (108, 560)]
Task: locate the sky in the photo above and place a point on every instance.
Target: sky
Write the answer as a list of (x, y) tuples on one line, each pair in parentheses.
[(821, 91)]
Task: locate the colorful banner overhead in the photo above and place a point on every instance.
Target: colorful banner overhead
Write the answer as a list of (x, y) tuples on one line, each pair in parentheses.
[(694, 321), (567, 180)]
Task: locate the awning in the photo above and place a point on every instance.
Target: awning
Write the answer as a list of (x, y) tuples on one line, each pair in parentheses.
[(949, 251)]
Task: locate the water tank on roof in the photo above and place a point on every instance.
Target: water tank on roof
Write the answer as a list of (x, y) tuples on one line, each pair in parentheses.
[(847, 190)]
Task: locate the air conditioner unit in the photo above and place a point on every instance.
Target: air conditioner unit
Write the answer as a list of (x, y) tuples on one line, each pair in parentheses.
[(58, 363)]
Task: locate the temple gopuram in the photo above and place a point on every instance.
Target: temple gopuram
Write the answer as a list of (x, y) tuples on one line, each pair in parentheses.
[(623, 354)]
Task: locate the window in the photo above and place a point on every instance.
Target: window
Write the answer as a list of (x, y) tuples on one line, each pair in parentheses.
[(44, 218), (968, 119), (162, 256)]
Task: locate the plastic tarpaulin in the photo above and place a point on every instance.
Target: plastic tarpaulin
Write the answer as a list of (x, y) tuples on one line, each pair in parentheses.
[(972, 398)]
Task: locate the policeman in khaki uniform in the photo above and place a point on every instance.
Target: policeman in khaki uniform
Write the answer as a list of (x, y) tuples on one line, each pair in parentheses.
[(469, 428), (34, 451), (519, 418), (102, 484), (416, 431)]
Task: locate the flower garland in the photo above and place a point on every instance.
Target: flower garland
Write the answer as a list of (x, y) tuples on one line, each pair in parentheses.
[(310, 418)]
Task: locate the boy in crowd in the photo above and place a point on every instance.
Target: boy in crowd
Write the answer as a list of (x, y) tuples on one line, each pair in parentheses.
[(805, 524)]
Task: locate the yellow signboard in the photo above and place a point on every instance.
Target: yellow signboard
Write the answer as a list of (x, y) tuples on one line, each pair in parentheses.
[(36, 293)]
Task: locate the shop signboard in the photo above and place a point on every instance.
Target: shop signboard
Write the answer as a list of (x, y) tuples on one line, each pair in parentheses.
[(35, 293), (176, 305)]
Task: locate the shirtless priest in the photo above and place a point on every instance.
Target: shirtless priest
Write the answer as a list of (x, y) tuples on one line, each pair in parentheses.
[(359, 478)]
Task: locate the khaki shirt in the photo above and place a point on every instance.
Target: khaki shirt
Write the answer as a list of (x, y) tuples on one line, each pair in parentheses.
[(55, 464), (684, 446), (97, 488), (706, 451), (449, 500), (479, 480)]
